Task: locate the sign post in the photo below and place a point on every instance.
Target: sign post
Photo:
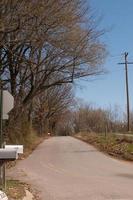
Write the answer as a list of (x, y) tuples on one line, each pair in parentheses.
[(6, 104), (1, 116), (1, 134)]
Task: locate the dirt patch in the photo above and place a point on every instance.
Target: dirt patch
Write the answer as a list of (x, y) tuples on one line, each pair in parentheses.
[(16, 190)]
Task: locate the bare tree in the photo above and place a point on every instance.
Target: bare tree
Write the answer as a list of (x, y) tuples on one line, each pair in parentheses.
[(46, 44), (50, 107), (92, 119), (49, 43)]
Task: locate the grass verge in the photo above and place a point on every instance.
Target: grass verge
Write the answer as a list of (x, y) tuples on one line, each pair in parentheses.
[(115, 145), (15, 190)]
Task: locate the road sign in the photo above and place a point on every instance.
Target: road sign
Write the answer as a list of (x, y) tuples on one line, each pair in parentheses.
[(8, 103)]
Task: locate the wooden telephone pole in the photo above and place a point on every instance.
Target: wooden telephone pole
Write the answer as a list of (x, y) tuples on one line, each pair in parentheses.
[(127, 89)]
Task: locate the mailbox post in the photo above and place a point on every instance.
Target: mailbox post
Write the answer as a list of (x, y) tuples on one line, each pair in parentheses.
[(9, 153), (5, 156)]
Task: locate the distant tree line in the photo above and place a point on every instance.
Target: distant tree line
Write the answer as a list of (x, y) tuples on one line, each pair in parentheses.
[(89, 118)]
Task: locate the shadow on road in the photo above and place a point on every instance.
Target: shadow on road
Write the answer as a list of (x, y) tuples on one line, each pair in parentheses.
[(129, 176)]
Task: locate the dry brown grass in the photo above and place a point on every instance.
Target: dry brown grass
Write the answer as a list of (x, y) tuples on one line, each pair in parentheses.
[(15, 190), (112, 144)]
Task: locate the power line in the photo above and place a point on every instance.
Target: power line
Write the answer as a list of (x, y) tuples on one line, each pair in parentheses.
[(127, 89)]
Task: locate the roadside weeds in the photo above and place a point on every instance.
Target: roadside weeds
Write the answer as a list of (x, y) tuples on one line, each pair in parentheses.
[(16, 190), (115, 145)]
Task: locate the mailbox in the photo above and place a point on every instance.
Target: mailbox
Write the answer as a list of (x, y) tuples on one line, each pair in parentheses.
[(8, 155), (18, 148)]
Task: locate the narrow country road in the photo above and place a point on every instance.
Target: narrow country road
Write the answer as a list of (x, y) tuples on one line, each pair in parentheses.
[(64, 168)]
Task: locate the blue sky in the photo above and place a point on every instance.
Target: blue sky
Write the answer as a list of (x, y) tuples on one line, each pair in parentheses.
[(109, 89)]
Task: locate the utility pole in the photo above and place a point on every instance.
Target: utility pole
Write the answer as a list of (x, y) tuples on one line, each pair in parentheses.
[(1, 133), (127, 89)]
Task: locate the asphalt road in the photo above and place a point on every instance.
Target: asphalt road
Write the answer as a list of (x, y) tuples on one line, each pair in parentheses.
[(64, 168)]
